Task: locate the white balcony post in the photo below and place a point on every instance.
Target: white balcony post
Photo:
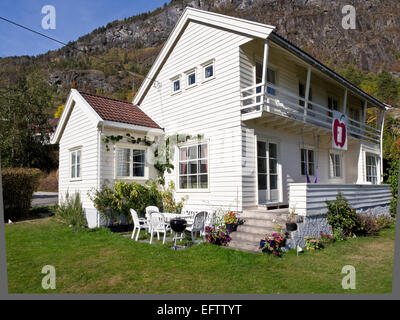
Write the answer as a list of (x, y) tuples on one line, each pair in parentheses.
[(264, 75), (307, 93), (381, 143), (345, 101)]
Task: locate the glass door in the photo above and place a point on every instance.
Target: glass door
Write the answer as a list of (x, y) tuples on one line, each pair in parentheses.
[(267, 172)]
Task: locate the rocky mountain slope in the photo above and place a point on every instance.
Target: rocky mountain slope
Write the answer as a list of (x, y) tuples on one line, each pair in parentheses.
[(111, 57)]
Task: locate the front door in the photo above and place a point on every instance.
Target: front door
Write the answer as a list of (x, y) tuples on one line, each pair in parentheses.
[(268, 172)]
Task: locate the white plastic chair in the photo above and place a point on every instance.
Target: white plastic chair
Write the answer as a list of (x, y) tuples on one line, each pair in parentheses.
[(198, 224), (149, 211), (138, 224), (158, 225)]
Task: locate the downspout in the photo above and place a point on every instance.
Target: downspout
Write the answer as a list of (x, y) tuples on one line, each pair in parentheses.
[(99, 134), (382, 127)]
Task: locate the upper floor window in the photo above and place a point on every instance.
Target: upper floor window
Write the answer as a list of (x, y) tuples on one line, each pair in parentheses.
[(209, 70), (176, 84), (193, 167), (371, 166), (333, 104), (307, 162), (191, 78), (130, 163), (75, 157), (271, 78)]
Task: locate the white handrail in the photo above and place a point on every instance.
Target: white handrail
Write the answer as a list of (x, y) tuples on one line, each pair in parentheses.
[(310, 114)]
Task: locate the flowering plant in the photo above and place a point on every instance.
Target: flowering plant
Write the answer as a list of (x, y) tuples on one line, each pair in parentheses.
[(312, 243), (231, 218), (217, 236), (327, 237), (274, 243)]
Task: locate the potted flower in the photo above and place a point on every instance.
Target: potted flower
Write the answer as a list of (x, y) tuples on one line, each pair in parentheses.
[(231, 221), (291, 224), (273, 244), (217, 236)]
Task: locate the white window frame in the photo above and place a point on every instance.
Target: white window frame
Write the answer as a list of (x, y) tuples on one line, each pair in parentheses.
[(173, 80), (205, 66), (130, 177), (307, 160), (177, 166), (377, 167), (188, 74), (332, 164), (271, 67), (71, 153)]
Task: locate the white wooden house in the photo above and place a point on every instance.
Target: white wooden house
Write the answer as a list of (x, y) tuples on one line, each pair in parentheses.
[(265, 110)]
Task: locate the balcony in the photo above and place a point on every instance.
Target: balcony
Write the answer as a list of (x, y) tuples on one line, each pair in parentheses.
[(263, 101)]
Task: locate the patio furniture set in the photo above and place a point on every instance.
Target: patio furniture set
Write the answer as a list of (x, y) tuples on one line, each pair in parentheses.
[(156, 222)]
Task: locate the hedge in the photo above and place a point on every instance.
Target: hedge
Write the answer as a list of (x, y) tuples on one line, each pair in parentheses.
[(18, 187)]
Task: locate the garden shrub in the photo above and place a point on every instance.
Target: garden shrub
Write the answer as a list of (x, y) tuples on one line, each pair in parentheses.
[(19, 184), (168, 199), (368, 225), (342, 217), (71, 211), (371, 222), (112, 203)]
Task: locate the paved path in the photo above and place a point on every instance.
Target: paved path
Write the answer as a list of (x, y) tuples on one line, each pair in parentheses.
[(41, 199)]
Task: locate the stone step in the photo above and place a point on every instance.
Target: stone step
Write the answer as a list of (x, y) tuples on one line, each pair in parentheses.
[(245, 246), (249, 236), (257, 229), (264, 215), (267, 223)]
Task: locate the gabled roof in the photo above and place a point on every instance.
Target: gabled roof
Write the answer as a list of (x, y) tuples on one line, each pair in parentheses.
[(250, 28), (107, 112), (118, 111)]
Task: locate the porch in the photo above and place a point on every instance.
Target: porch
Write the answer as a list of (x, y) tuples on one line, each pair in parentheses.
[(310, 199)]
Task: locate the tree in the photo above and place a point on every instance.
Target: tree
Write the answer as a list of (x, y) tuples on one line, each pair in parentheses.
[(24, 128)]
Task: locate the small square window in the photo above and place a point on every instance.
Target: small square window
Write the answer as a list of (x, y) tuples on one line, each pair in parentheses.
[(209, 71), (176, 84), (191, 79)]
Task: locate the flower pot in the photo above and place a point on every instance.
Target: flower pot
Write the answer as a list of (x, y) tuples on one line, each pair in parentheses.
[(291, 226), (231, 227)]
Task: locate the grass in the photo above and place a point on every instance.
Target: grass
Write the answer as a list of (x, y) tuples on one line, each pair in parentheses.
[(98, 261)]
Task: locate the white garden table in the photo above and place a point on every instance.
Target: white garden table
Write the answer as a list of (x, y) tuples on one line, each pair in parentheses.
[(171, 216)]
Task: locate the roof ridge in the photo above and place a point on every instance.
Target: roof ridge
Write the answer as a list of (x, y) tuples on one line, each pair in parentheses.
[(99, 96)]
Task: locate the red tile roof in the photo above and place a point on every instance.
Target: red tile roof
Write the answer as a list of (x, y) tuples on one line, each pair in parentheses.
[(118, 111)]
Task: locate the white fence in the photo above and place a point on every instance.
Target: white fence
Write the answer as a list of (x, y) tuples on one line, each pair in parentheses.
[(310, 199)]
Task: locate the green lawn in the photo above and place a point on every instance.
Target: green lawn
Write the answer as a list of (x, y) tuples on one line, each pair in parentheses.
[(102, 262)]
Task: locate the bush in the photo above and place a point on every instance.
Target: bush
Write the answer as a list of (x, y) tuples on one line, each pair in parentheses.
[(369, 226), (313, 243), (18, 187), (342, 216), (112, 203), (371, 223), (71, 211), (168, 200)]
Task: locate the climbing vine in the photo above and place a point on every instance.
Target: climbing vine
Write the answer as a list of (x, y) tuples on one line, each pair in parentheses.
[(163, 151), (114, 139)]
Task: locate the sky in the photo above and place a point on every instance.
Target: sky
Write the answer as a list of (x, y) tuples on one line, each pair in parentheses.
[(74, 18)]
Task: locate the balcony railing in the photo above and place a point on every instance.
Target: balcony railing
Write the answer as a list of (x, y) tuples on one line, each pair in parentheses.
[(287, 104)]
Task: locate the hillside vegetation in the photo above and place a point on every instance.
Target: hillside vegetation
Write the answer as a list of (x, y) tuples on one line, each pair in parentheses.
[(114, 59)]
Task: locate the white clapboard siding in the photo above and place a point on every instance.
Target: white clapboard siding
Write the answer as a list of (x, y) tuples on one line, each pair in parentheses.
[(211, 108), (80, 131), (107, 162), (310, 199)]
